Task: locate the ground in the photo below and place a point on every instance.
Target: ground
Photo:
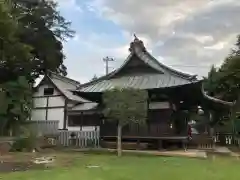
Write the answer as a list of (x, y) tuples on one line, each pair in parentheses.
[(103, 167)]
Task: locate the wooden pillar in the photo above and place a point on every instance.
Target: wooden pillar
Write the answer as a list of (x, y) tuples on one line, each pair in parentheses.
[(81, 120), (160, 146), (65, 114), (46, 115)]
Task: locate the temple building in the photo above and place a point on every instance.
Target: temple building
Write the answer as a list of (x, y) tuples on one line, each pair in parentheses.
[(172, 95)]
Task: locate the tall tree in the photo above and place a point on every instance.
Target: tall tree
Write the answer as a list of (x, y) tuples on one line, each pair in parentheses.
[(229, 81), (211, 82), (225, 83), (125, 106), (15, 103), (44, 29), (31, 35), (15, 56)]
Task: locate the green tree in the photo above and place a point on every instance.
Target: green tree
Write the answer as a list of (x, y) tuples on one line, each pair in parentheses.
[(229, 81), (225, 82), (15, 56), (44, 29), (31, 35), (125, 106), (15, 103), (211, 82)]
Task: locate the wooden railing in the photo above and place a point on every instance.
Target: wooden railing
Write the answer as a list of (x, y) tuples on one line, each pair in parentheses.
[(202, 141), (227, 139), (44, 127), (80, 139)]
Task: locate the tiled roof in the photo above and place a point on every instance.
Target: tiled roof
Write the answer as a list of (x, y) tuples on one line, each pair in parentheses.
[(162, 77), (66, 85), (145, 81), (137, 48), (85, 107)]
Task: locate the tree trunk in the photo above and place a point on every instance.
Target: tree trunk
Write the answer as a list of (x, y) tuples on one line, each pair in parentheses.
[(119, 140)]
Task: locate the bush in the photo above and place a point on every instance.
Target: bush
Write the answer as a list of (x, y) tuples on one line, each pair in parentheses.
[(27, 141), (91, 143)]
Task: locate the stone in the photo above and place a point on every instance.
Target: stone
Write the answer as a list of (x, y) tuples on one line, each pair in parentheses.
[(43, 160), (92, 166)]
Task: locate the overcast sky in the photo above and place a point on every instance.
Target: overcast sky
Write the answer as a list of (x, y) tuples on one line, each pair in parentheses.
[(188, 35)]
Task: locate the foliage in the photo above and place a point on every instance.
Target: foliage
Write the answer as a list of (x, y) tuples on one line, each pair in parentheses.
[(15, 55), (211, 82), (26, 141), (44, 29), (91, 143), (229, 81), (15, 102), (125, 105), (225, 82), (31, 35)]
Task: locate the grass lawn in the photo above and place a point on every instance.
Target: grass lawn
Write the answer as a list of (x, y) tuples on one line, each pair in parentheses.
[(132, 168)]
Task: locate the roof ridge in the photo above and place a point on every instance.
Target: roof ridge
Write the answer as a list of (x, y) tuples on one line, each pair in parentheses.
[(176, 72), (61, 77), (62, 90), (95, 80), (137, 47)]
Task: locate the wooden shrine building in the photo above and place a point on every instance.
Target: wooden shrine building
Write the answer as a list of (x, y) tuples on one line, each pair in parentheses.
[(172, 94)]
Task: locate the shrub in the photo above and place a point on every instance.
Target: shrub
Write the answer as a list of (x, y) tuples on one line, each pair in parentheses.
[(27, 141), (91, 143)]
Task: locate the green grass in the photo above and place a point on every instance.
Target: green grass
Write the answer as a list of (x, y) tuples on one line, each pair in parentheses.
[(134, 168)]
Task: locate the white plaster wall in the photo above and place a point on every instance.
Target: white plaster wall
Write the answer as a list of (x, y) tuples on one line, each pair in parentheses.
[(57, 114), (71, 104), (53, 113), (56, 101), (84, 128), (41, 88), (38, 115), (39, 102)]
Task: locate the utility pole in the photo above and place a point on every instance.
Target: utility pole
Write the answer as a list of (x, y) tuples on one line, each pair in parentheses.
[(106, 60)]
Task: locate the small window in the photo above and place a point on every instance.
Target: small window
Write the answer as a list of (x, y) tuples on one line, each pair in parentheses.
[(48, 91)]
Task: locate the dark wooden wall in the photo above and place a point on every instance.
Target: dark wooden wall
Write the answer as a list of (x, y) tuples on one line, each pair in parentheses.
[(157, 125), (84, 120)]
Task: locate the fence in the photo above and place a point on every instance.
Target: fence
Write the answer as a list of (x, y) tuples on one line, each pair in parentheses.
[(227, 139), (44, 127), (81, 139)]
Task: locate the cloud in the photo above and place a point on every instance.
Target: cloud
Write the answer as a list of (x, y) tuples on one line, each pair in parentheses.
[(86, 52), (186, 32), (69, 5)]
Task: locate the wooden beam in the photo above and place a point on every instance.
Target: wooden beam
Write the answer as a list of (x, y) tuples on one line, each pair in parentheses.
[(65, 114), (49, 107), (83, 112), (59, 95), (46, 117)]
